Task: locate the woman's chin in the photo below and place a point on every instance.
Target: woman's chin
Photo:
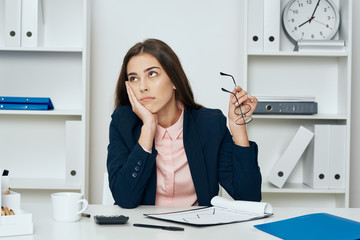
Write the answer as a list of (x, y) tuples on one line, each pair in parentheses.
[(152, 109)]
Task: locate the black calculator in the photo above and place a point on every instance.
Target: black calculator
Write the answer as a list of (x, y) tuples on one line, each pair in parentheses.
[(119, 219)]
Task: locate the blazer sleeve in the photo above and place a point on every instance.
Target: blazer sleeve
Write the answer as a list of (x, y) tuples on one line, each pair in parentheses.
[(239, 172), (129, 168)]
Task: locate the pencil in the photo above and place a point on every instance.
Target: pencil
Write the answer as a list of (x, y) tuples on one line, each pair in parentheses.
[(6, 211), (7, 191)]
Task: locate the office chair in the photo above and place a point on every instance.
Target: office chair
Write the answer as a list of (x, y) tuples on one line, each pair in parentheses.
[(107, 195)]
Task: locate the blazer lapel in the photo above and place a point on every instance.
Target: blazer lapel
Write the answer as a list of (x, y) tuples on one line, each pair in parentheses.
[(196, 160)]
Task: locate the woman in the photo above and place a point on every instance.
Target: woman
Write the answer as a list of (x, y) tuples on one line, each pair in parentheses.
[(165, 149)]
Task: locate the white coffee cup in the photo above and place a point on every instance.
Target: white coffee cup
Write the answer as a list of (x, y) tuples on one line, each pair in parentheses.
[(68, 206)]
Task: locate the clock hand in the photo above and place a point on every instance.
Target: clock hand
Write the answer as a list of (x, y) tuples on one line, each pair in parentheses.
[(327, 25), (308, 21), (313, 15)]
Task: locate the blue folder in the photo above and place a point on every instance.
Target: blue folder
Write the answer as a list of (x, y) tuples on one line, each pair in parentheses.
[(25, 103), (313, 226)]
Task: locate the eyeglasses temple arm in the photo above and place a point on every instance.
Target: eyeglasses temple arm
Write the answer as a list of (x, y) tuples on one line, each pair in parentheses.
[(225, 74), (224, 90)]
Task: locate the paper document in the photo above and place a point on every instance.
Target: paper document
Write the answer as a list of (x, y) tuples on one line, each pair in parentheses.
[(223, 211)]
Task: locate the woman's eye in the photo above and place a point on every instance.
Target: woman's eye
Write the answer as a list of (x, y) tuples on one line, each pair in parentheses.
[(132, 79), (153, 74)]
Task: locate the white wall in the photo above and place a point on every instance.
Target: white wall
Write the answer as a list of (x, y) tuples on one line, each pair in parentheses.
[(206, 35)]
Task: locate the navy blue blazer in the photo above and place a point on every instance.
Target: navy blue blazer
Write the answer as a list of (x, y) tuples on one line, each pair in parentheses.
[(211, 153)]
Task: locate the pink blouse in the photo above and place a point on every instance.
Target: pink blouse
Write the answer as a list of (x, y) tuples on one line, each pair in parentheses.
[(175, 186)]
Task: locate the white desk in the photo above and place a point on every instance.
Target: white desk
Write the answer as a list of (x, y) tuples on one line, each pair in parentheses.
[(45, 228)]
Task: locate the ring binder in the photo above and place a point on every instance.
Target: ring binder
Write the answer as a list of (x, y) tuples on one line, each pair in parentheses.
[(272, 25), (286, 163), (25, 103), (275, 107), (12, 23), (32, 25)]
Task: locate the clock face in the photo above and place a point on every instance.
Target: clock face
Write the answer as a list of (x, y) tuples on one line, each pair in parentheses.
[(311, 19)]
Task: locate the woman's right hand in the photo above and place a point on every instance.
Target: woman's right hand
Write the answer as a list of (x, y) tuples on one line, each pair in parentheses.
[(148, 118), (142, 112)]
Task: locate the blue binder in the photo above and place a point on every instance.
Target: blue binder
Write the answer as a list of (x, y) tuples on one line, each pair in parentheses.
[(313, 226), (25, 103)]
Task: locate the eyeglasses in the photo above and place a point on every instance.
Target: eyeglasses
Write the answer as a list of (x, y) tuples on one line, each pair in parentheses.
[(242, 109)]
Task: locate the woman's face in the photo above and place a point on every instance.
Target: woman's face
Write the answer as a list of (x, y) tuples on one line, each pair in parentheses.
[(150, 83)]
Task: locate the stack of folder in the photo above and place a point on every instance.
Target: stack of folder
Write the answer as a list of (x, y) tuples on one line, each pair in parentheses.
[(287, 161), (24, 23), (25, 103), (325, 166), (324, 153), (264, 25)]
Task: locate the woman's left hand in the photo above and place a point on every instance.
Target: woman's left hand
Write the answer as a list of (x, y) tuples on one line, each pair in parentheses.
[(237, 129), (243, 98)]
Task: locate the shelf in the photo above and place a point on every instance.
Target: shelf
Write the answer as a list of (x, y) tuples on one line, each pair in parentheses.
[(57, 184), (46, 113), (296, 117), (42, 49), (306, 54), (297, 188), (322, 73), (42, 147)]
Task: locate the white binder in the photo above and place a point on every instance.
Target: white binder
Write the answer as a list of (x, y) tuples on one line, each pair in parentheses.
[(32, 23), (272, 22), (337, 156), (316, 165), (255, 25), (12, 23), (286, 163), (74, 149)]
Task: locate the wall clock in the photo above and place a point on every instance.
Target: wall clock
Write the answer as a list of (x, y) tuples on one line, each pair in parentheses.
[(311, 19)]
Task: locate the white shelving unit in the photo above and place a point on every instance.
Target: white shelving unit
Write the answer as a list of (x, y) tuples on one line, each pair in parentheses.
[(323, 75), (43, 153)]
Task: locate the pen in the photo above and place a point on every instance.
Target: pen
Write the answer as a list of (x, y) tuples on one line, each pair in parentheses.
[(170, 228), (86, 215)]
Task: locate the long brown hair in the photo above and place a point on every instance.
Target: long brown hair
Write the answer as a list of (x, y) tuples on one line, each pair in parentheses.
[(171, 64)]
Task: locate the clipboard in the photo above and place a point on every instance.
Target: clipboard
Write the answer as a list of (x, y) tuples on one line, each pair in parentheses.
[(223, 211), (25, 103)]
